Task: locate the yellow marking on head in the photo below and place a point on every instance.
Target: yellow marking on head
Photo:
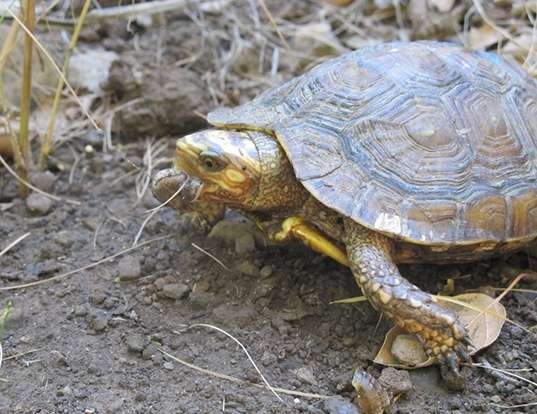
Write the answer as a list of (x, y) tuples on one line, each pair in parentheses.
[(235, 176)]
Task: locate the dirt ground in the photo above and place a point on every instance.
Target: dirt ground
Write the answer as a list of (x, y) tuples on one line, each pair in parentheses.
[(92, 341)]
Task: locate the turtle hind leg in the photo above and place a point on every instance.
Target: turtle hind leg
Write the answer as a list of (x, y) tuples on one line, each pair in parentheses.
[(414, 310)]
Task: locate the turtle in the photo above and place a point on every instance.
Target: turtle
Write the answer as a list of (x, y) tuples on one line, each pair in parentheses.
[(402, 152)]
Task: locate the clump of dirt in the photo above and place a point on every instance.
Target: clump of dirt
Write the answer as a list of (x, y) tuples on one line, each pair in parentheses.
[(92, 341)]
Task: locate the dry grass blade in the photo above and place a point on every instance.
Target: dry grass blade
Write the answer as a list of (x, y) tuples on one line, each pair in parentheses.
[(211, 256), (47, 140), (204, 325), (9, 44), (274, 24), (521, 378), (239, 381), (479, 7), (25, 100), (89, 266), (154, 211), (14, 243), (56, 68), (532, 404), (37, 190), (20, 354)]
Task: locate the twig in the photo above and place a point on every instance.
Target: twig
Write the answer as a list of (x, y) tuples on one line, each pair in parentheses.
[(37, 190), (47, 139), (14, 243), (239, 381), (26, 91), (204, 325), (211, 256), (89, 266)]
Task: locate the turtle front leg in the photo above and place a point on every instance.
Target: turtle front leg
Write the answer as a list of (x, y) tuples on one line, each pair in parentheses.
[(414, 310)]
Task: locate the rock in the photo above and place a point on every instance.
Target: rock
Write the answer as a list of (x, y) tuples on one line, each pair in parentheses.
[(38, 204), (337, 405), (245, 244), (405, 350), (44, 180), (175, 291), (239, 316), (248, 268), (135, 344), (496, 399), (166, 280), (168, 365), (306, 375), (129, 268), (229, 231), (395, 380), (99, 322), (162, 101), (89, 69), (62, 392), (80, 310), (266, 271), (149, 351)]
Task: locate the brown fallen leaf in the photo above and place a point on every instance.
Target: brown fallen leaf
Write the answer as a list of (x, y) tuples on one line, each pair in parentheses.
[(6, 150), (482, 316)]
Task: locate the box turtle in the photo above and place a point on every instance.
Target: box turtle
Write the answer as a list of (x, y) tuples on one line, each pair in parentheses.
[(402, 152)]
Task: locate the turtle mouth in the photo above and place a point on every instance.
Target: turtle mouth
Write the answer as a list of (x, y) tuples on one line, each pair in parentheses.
[(175, 188)]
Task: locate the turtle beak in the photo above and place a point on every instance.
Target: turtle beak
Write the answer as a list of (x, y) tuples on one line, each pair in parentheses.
[(175, 188)]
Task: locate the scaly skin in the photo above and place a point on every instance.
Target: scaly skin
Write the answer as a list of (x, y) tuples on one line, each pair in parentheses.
[(248, 171), (412, 309)]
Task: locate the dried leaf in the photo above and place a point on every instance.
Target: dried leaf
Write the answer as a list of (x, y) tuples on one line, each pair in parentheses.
[(482, 316)]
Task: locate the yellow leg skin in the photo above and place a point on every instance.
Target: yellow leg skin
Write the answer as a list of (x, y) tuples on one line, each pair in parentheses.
[(299, 229)]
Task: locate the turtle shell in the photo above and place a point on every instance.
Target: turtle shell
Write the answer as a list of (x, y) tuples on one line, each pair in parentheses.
[(421, 141)]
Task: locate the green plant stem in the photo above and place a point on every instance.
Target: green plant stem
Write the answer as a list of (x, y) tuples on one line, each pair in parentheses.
[(29, 22), (47, 140)]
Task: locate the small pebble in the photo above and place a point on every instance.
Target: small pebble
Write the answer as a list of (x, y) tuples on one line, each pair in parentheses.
[(496, 399), (38, 204), (395, 380), (407, 350), (44, 180), (81, 310), (129, 268), (175, 291), (99, 323), (266, 271), (248, 268), (149, 351), (168, 365), (135, 344)]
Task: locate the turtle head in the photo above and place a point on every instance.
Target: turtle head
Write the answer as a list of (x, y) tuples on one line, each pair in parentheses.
[(212, 169), (219, 168)]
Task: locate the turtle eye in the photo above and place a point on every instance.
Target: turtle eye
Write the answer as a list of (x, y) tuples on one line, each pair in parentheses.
[(211, 161)]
